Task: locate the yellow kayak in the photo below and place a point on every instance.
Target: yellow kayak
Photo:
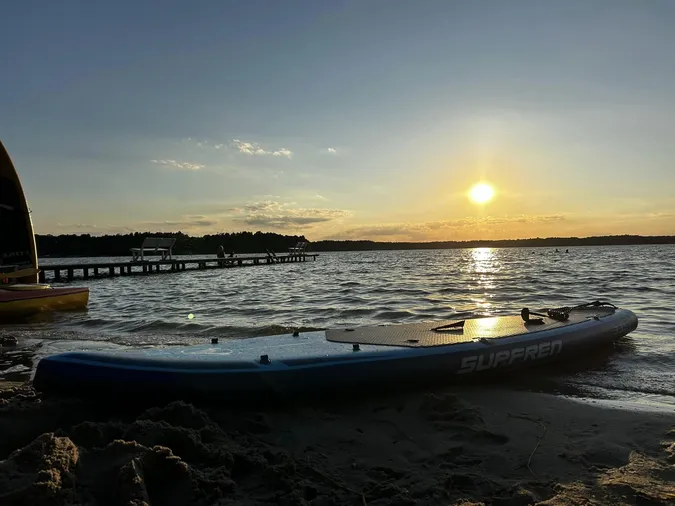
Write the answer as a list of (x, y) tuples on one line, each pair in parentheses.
[(20, 293), (19, 300)]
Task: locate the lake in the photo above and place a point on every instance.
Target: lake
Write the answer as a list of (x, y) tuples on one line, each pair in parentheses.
[(361, 288)]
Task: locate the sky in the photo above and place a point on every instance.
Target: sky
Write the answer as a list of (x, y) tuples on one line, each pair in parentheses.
[(338, 119)]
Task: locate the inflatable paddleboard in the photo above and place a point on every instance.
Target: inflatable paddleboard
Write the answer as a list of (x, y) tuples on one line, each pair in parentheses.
[(340, 360)]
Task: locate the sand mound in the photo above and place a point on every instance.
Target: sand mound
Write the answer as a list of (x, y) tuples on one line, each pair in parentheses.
[(643, 480), (461, 447), (41, 472)]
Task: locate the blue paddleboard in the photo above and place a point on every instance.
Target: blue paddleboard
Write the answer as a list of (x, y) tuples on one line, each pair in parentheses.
[(339, 360)]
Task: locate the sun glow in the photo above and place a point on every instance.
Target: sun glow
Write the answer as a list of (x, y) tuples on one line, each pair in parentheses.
[(481, 193)]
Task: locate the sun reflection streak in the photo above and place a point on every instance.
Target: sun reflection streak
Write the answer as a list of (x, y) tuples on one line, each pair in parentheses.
[(484, 264)]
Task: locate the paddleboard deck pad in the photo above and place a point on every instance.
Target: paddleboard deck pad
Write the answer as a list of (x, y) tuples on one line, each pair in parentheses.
[(458, 331), (338, 361)]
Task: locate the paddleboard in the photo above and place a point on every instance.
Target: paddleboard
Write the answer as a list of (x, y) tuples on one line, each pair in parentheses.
[(338, 360)]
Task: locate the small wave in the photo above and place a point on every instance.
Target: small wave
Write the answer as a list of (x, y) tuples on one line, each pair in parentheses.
[(394, 315), (349, 283), (354, 312), (619, 389)]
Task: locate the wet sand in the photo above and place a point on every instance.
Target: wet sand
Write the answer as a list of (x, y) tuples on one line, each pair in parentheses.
[(454, 446)]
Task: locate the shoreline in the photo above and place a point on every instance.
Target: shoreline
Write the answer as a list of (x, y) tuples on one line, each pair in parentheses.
[(448, 446), (395, 247)]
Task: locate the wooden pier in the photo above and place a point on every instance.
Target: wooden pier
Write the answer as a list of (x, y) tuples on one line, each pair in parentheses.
[(129, 268)]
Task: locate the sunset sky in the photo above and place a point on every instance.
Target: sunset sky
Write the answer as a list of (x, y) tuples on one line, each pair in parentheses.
[(366, 119)]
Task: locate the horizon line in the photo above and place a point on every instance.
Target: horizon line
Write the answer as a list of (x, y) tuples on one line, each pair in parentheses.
[(446, 241)]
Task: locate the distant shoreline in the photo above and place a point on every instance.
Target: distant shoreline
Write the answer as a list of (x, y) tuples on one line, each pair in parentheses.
[(549, 242), (85, 245)]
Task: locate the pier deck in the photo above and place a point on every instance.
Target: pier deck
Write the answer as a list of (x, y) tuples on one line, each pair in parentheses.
[(74, 271)]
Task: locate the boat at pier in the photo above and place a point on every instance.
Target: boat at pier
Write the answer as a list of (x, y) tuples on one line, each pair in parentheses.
[(20, 293)]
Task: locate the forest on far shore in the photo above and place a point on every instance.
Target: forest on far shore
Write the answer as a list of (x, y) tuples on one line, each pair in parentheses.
[(86, 245)]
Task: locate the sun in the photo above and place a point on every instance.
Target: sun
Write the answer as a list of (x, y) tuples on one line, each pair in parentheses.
[(481, 193)]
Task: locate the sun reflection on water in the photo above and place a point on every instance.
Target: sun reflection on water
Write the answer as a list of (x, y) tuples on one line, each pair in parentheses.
[(484, 264)]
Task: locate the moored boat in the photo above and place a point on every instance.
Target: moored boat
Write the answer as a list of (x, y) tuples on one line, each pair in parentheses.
[(20, 300), (20, 293)]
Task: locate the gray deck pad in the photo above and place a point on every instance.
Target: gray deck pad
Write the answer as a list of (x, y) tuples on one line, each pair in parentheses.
[(418, 335)]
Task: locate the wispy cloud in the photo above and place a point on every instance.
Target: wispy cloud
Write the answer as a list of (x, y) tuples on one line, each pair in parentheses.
[(284, 215), (185, 222), (283, 152), (245, 147), (252, 148), (448, 229), (78, 226), (194, 223), (173, 164), (331, 151), (85, 228)]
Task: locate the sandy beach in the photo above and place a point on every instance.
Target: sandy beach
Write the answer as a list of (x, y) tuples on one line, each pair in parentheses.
[(453, 446)]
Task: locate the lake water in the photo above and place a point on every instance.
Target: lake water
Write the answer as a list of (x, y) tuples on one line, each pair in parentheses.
[(361, 288)]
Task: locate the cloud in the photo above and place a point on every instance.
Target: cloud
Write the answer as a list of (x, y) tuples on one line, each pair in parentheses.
[(449, 229), (332, 151), (284, 215), (173, 164), (85, 228), (186, 222), (194, 223), (283, 152), (247, 148), (252, 148), (76, 225)]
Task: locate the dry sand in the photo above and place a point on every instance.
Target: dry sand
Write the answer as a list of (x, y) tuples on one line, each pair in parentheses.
[(455, 446)]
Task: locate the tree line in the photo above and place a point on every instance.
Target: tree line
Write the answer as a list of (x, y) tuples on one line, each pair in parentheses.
[(249, 242), (610, 240), (87, 245)]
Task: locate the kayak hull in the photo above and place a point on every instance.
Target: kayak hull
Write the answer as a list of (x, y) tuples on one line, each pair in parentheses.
[(23, 301)]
